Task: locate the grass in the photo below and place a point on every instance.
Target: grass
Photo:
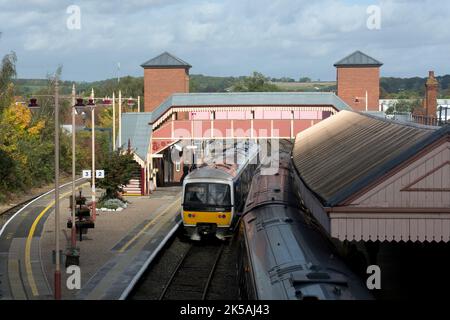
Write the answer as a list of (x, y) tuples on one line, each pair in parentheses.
[(306, 86)]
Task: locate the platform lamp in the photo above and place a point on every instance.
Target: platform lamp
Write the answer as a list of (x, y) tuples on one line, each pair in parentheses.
[(77, 108), (91, 106), (130, 103), (57, 275)]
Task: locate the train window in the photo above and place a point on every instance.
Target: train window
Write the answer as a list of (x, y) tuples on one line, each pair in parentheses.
[(207, 196)]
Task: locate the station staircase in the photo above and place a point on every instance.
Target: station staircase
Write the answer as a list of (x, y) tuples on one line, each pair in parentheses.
[(133, 188)]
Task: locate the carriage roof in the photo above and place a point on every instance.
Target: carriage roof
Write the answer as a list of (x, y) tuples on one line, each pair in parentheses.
[(224, 171)]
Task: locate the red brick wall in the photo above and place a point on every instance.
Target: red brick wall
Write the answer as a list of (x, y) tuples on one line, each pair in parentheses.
[(431, 95), (431, 101), (353, 82), (159, 84)]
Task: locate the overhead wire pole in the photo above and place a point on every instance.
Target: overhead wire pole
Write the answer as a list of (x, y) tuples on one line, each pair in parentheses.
[(57, 284)]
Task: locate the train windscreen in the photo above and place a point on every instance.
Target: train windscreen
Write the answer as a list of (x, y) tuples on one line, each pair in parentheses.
[(207, 197)]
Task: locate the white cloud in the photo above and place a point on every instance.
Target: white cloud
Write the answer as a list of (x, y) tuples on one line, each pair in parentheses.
[(281, 37)]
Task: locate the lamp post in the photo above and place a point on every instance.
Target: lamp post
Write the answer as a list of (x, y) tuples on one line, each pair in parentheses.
[(58, 266), (114, 120), (76, 108), (33, 105), (120, 118), (73, 231), (91, 105), (57, 274)]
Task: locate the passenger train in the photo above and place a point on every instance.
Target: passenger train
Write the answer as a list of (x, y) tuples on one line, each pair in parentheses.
[(214, 194), (283, 255)]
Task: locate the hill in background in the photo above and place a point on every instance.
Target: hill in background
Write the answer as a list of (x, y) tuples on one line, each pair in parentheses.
[(134, 86)]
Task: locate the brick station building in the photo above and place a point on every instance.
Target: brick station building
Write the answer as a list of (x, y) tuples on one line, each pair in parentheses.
[(175, 118)]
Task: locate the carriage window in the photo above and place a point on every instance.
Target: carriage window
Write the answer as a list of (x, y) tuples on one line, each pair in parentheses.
[(199, 195)]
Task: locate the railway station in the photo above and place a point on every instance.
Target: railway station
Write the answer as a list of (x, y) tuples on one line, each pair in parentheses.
[(348, 183), (175, 118)]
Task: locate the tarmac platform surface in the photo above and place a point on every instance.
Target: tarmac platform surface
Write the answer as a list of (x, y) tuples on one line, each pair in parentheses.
[(112, 255)]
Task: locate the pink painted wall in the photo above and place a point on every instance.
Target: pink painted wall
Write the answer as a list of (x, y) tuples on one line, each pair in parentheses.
[(365, 228), (432, 171), (260, 114), (283, 127)]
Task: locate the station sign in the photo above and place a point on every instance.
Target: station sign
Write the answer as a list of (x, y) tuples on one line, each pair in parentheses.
[(100, 174), (87, 174)]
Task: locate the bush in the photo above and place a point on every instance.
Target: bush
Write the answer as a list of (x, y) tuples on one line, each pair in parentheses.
[(113, 204)]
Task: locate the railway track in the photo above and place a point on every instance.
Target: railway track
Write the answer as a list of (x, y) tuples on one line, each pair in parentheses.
[(7, 214), (194, 272), (184, 270)]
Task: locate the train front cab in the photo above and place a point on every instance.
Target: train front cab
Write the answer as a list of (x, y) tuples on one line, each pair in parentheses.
[(207, 209)]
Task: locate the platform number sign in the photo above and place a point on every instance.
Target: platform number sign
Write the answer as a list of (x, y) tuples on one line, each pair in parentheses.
[(87, 174), (99, 174)]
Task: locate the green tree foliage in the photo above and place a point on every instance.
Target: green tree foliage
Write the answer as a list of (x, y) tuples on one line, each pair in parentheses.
[(410, 88), (257, 82), (402, 106), (201, 83), (7, 74), (27, 137), (118, 168)]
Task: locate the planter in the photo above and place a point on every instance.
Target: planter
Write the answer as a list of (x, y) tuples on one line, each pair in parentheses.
[(72, 257)]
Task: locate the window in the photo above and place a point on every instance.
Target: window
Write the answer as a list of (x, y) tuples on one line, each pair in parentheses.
[(207, 197)]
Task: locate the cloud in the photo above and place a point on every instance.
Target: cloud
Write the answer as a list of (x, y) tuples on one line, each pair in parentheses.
[(233, 37)]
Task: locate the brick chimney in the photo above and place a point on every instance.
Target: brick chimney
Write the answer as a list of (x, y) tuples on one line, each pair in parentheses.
[(431, 94)]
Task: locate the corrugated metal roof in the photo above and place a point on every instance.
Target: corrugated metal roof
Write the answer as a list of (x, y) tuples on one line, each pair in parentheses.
[(136, 128), (358, 58), (346, 152), (165, 59), (250, 98)]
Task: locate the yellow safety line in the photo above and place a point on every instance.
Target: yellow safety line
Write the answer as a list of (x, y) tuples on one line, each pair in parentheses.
[(146, 227), (28, 268)]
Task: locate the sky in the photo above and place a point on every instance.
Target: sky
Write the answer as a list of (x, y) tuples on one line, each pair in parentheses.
[(293, 38)]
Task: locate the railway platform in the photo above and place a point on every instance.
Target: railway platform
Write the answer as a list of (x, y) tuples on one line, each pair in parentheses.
[(112, 255)]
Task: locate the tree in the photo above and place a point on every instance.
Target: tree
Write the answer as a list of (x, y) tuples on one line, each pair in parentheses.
[(118, 168), (305, 79), (7, 73), (257, 82), (404, 106)]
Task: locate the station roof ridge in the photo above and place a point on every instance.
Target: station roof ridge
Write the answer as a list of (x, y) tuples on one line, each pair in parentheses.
[(358, 59), (164, 60), (249, 99)]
